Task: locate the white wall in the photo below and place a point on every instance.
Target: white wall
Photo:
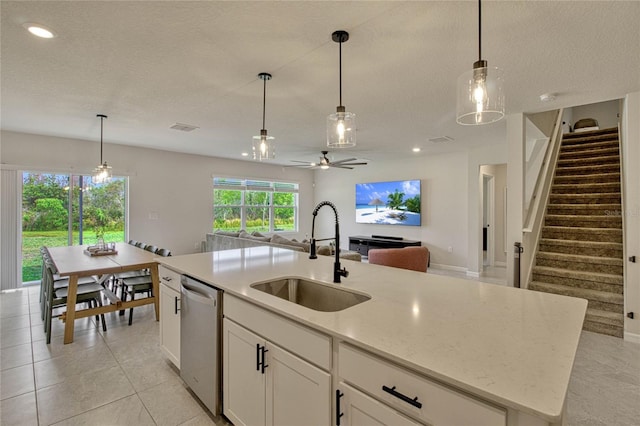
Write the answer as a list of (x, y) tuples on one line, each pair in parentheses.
[(175, 188), (630, 146), (444, 203), (605, 112)]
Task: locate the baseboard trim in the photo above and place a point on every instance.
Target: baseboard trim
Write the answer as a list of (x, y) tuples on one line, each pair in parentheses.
[(448, 267), (632, 337), (473, 274)]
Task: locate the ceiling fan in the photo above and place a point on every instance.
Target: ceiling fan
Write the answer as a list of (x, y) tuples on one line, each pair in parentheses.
[(325, 163)]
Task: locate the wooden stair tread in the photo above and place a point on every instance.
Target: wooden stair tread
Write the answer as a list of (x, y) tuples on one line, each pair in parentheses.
[(595, 295), (580, 275), (603, 244), (581, 258)]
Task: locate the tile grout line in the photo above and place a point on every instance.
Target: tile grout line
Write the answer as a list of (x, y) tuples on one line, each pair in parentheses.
[(33, 363)]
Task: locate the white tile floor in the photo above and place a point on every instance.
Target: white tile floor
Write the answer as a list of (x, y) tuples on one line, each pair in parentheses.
[(117, 377), (121, 377)]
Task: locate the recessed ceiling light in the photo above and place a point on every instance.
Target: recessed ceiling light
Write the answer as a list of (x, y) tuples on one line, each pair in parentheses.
[(39, 30), (416, 149), (548, 97), (245, 154)]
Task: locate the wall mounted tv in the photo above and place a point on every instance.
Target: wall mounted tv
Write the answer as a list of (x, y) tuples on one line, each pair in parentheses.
[(388, 203)]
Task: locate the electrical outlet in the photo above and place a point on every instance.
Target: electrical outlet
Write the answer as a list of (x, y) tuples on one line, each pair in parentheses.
[(450, 249)]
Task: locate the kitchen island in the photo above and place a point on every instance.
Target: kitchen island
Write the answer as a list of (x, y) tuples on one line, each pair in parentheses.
[(511, 348)]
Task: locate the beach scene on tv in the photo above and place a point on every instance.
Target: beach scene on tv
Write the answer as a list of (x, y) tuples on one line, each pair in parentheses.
[(388, 203)]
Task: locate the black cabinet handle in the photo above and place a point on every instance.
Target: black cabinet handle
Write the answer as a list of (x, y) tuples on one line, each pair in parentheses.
[(264, 365), (175, 304), (405, 398), (338, 410), (258, 357)]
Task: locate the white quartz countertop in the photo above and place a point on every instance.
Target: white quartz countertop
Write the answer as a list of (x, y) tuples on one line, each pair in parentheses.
[(511, 346)]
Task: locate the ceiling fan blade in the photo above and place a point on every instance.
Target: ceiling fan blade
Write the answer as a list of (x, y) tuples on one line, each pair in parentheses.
[(340, 166), (353, 164), (344, 161), (298, 165), (298, 161)]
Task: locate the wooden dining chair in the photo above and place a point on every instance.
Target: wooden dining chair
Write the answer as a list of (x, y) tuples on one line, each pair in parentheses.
[(141, 284), (57, 297)]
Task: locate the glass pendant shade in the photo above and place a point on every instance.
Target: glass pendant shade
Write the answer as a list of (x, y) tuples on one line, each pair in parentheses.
[(341, 129), (102, 173), (480, 95), (263, 146)]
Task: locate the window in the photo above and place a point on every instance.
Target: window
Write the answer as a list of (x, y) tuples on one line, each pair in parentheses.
[(63, 209), (254, 205)]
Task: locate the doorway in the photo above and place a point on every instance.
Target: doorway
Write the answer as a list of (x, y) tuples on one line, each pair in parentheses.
[(488, 220), (492, 181)]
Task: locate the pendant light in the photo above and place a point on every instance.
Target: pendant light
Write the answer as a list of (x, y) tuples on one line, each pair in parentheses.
[(102, 173), (341, 126), (480, 93), (263, 146)]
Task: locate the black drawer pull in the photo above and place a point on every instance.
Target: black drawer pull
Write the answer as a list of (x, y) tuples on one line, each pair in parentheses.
[(264, 365), (175, 305), (339, 412), (405, 398)]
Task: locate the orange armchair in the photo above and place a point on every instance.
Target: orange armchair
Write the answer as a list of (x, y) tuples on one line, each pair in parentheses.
[(414, 258)]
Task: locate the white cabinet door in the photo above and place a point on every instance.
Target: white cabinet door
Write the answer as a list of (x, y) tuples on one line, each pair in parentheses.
[(244, 382), (170, 323), (359, 409), (298, 393)]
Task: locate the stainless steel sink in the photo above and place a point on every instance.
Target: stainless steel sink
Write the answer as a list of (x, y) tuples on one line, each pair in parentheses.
[(311, 294)]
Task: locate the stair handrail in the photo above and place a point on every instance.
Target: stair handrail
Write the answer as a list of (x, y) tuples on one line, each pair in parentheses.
[(535, 217)]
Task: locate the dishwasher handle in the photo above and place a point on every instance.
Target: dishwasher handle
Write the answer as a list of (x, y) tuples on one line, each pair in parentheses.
[(198, 295)]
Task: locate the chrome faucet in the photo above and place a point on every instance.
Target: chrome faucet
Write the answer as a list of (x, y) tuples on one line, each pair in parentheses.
[(337, 271)]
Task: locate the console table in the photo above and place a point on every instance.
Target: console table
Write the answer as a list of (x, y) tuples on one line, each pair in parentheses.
[(362, 244)]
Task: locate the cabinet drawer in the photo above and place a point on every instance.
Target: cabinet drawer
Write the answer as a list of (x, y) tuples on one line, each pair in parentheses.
[(304, 342), (441, 405), (169, 278)]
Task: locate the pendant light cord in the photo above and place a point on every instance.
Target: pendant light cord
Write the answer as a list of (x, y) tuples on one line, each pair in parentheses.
[(479, 30), (101, 128), (264, 101), (340, 66)]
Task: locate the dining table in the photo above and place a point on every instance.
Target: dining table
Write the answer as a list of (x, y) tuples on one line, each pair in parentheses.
[(77, 261)]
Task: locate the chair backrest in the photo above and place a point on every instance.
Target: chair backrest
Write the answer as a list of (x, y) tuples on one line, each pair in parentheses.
[(413, 258), (139, 244), (163, 252), (151, 248), (133, 242)]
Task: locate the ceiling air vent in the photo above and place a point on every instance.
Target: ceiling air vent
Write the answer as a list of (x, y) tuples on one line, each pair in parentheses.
[(184, 127), (441, 139)]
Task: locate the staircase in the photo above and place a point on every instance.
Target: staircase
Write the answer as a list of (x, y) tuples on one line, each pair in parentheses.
[(580, 249)]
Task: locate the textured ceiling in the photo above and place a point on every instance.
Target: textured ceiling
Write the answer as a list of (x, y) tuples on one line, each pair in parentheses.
[(148, 65)]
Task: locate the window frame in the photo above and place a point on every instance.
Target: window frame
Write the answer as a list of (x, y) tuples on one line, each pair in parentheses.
[(271, 187)]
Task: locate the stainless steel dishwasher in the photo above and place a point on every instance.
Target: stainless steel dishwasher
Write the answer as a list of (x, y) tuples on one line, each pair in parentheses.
[(200, 336)]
